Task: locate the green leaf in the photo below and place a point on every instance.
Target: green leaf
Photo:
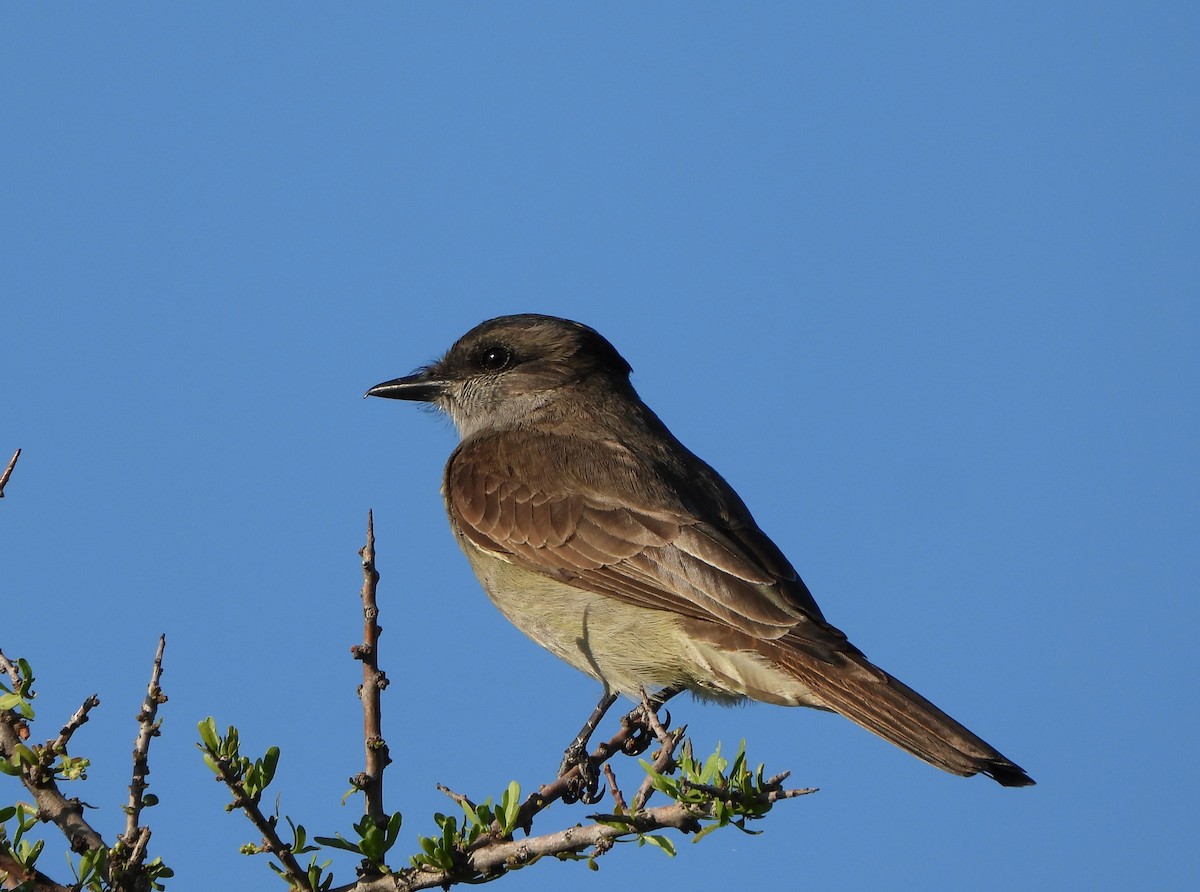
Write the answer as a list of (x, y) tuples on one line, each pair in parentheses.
[(22, 753), (87, 863), (338, 842), (713, 767), (661, 782), (269, 762), (208, 733), (703, 833), (33, 852), (662, 842), (393, 830), (510, 806), (299, 837), (478, 816)]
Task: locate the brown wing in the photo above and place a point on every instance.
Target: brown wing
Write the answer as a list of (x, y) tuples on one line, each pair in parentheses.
[(585, 513)]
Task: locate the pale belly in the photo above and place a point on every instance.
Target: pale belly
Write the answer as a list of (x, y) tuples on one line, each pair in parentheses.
[(624, 646)]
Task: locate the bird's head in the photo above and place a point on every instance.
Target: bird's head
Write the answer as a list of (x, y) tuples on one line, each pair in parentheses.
[(505, 370)]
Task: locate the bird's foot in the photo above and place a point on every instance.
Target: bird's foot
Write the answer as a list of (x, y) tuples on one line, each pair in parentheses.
[(585, 786), (642, 727), (577, 752)]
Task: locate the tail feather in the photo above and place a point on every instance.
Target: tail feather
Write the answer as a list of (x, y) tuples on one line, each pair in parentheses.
[(811, 666), (884, 705)]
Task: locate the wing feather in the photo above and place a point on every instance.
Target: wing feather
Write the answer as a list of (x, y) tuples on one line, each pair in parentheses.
[(623, 541)]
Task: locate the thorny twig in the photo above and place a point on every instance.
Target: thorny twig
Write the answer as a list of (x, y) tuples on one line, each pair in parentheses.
[(370, 781), (147, 730), (74, 723)]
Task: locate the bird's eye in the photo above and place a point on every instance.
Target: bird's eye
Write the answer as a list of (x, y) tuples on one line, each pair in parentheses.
[(495, 358)]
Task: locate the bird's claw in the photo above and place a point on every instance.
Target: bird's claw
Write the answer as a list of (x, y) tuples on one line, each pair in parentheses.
[(641, 734), (585, 785), (575, 754)]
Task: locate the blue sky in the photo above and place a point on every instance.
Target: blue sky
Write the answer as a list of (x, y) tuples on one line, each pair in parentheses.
[(920, 282)]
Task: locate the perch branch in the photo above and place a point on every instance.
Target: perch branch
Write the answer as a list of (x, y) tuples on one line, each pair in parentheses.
[(504, 855)]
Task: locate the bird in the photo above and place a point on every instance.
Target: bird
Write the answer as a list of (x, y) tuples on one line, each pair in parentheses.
[(604, 539)]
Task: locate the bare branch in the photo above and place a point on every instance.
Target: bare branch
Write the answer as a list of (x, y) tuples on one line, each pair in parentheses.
[(650, 715), (10, 669), (614, 790), (374, 681), (59, 744), (459, 799), (139, 845), (12, 463), (147, 730)]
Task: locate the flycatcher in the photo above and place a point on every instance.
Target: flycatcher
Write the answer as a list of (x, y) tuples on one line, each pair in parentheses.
[(602, 538)]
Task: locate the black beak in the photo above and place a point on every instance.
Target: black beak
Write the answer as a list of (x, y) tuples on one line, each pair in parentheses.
[(421, 387)]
